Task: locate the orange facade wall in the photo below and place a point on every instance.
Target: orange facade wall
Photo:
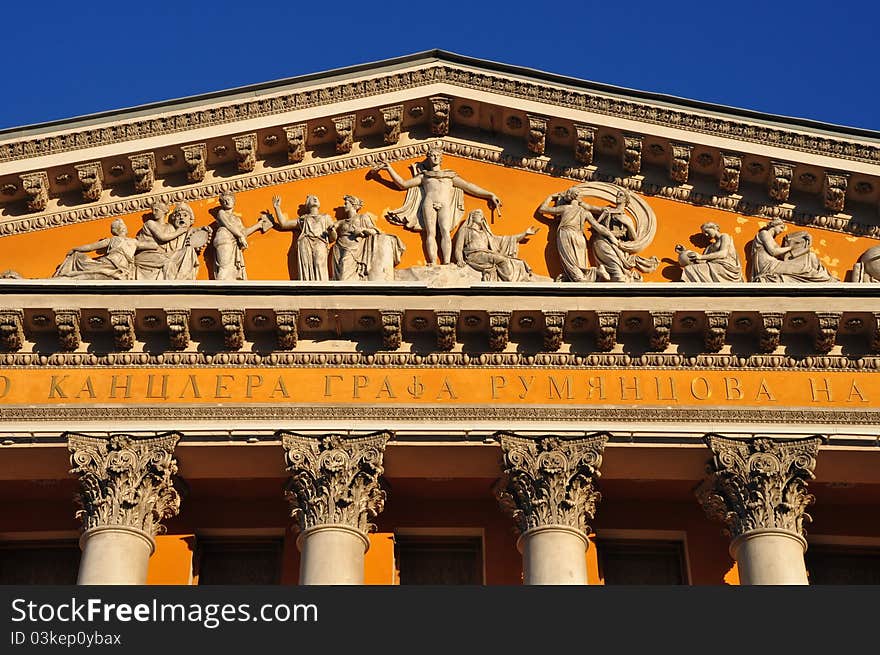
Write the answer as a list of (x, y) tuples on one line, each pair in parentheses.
[(270, 256)]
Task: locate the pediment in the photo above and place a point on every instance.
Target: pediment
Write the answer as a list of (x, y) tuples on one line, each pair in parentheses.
[(518, 133)]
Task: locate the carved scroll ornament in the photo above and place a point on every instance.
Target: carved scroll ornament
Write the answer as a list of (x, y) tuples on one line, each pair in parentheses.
[(125, 481), (550, 481), (758, 483), (334, 479)]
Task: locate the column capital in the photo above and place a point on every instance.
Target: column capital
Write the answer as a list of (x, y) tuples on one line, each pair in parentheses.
[(125, 481), (334, 480), (758, 483), (550, 481)]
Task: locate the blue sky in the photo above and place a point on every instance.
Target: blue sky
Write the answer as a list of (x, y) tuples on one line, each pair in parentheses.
[(810, 59)]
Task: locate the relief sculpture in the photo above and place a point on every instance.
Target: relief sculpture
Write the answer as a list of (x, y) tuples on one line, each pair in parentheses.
[(361, 250), (434, 203), (495, 257), (618, 233), (793, 261), (230, 240), (116, 264), (719, 261), (316, 231), (173, 245)]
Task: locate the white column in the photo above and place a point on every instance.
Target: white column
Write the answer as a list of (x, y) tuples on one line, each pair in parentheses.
[(548, 488), (126, 490), (758, 489), (553, 555), (114, 555), (332, 555), (334, 494)]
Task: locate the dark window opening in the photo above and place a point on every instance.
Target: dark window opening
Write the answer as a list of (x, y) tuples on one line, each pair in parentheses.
[(239, 561), (631, 562), (843, 565), (39, 563), (433, 560)]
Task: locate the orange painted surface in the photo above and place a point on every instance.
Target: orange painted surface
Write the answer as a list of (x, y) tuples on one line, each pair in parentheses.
[(429, 386), (171, 564), (732, 576), (594, 575), (270, 256), (379, 565)]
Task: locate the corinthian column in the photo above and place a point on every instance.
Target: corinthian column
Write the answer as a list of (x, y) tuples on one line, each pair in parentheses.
[(758, 488), (334, 494), (126, 490), (548, 488)]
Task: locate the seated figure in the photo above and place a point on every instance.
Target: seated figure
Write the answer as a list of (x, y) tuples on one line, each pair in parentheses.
[(719, 261), (116, 264), (496, 257), (361, 251)]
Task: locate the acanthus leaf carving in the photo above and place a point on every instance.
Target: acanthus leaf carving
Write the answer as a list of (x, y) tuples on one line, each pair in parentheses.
[(245, 152), (554, 323), (143, 170), (662, 330), (716, 330), (606, 330), (393, 118), (779, 183), (91, 178), (125, 481), (233, 328), (827, 324), (771, 331), (446, 330), (122, 322), (632, 154), (550, 481), (286, 328), (834, 191), (36, 187), (440, 108), (67, 324), (585, 137), (344, 126), (679, 163), (537, 135), (391, 329), (335, 479), (195, 158), (758, 483), (11, 330), (729, 170), (296, 142), (178, 328), (499, 330)]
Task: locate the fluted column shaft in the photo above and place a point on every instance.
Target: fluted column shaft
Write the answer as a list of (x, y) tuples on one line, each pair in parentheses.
[(758, 489), (126, 490), (548, 488), (334, 493)]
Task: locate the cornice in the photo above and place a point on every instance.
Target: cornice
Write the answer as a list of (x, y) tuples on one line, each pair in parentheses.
[(479, 79)]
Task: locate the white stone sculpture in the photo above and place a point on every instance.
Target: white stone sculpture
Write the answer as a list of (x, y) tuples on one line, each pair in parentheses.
[(174, 244), (230, 240), (793, 261), (116, 264), (495, 257), (719, 261), (434, 203), (361, 251), (316, 231)]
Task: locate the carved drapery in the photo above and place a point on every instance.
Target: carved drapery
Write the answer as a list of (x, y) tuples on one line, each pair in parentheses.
[(550, 481), (758, 483), (334, 480), (125, 481)]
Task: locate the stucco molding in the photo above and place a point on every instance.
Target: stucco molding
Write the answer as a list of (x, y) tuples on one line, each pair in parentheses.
[(334, 479)]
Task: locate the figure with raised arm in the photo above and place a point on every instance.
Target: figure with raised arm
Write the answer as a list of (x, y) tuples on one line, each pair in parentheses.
[(719, 261), (571, 242), (230, 240), (156, 233), (434, 202), (316, 231)]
